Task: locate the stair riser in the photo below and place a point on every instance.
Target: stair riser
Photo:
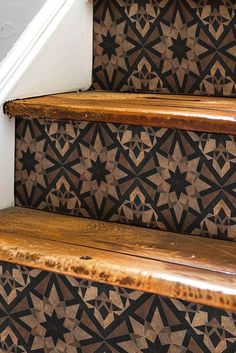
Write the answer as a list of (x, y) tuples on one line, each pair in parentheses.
[(159, 178), (165, 46)]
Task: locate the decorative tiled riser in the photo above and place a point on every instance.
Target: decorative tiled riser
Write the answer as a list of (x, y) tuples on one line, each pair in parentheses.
[(160, 178), (182, 46), (42, 312)]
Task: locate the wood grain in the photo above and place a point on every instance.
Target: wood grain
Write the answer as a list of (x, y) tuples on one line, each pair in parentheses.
[(211, 114), (196, 269)]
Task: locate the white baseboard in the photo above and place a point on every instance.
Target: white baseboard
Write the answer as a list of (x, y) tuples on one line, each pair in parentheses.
[(53, 55)]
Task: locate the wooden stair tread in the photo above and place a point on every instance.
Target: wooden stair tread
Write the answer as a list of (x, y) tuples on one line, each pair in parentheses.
[(191, 268), (209, 114)]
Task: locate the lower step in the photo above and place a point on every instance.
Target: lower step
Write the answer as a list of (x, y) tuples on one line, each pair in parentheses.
[(190, 268)]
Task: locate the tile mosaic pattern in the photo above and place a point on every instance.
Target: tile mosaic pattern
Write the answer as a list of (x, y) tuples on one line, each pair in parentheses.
[(42, 312), (181, 46), (160, 178)]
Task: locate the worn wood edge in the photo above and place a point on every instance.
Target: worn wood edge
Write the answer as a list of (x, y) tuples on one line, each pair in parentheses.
[(166, 281), (195, 121), (165, 246), (223, 126), (157, 277)]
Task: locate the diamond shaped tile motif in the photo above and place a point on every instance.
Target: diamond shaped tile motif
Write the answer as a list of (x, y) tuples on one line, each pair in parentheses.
[(182, 46), (159, 178), (62, 314)]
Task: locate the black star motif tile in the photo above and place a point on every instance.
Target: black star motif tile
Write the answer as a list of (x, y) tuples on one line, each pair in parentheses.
[(159, 178), (61, 314), (182, 46)]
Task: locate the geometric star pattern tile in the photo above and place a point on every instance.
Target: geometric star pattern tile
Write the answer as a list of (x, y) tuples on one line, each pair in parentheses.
[(182, 46), (61, 314), (160, 178)]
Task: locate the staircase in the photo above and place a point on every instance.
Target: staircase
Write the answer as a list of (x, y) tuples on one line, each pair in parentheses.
[(122, 238), (84, 284)]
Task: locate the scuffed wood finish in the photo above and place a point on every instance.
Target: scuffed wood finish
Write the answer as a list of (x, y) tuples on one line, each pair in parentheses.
[(211, 114), (160, 245), (195, 269)]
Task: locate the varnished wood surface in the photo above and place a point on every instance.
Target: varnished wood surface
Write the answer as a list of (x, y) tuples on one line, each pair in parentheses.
[(186, 267), (211, 114)]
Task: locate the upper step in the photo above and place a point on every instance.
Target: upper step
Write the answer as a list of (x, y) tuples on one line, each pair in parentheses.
[(189, 268), (205, 114)]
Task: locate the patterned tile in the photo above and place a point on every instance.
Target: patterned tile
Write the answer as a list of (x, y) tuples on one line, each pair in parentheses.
[(182, 46), (62, 314), (160, 178)]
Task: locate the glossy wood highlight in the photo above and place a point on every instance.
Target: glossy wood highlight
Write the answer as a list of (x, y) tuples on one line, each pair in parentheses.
[(211, 114), (191, 268)]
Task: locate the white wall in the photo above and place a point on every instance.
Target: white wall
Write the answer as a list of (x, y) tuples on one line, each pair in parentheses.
[(14, 17), (54, 54)]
